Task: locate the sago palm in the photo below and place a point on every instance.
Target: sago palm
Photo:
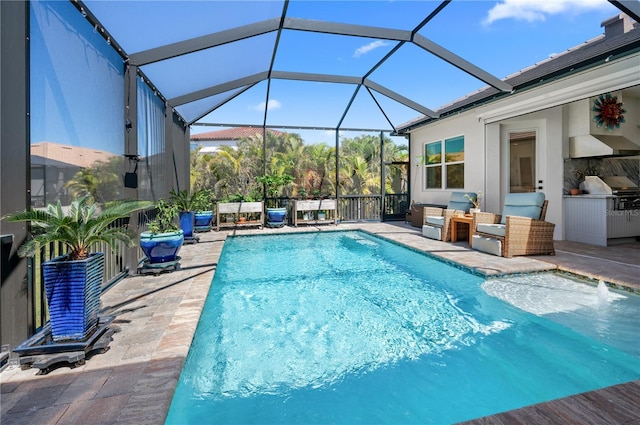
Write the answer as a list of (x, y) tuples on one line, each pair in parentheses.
[(79, 227)]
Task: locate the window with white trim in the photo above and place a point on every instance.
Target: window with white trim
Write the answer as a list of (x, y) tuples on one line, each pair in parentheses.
[(444, 171)]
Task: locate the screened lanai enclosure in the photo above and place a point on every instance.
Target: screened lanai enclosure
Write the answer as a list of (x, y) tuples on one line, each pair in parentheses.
[(101, 98), (203, 71), (118, 87)]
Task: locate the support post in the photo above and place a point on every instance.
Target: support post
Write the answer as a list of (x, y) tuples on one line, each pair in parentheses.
[(131, 151)]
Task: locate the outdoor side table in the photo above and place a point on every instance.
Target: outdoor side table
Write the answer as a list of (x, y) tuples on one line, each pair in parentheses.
[(462, 219)]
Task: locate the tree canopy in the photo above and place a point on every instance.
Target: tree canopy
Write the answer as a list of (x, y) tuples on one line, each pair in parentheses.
[(236, 171)]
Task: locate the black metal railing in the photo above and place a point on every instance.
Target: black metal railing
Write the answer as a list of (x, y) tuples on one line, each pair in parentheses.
[(395, 206), (360, 208), (356, 208)]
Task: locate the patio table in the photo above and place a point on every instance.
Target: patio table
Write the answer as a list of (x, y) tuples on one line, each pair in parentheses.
[(464, 220)]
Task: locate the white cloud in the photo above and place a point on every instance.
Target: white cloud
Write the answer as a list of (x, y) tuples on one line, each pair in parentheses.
[(332, 133), (369, 47), (273, 104), (538, 10)]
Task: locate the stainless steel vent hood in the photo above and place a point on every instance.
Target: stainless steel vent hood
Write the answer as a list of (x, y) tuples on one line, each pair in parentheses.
[(590, 145), (589, 134)]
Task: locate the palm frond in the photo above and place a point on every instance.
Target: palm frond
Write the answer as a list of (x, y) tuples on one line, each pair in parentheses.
[(81, 226)]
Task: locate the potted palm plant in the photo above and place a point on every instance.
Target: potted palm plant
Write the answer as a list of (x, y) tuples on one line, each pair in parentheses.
[(187, 204), (163, 239), (273, 185), (203, 210), (475, 199), (73, 282)]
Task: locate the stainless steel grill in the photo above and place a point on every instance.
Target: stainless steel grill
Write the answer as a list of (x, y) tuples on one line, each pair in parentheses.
[(627, 200), (627, 194)]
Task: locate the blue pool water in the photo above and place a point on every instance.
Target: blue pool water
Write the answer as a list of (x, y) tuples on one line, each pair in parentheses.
[(347, 328)]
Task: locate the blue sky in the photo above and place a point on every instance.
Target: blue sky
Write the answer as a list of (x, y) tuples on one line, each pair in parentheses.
[(500, 37)]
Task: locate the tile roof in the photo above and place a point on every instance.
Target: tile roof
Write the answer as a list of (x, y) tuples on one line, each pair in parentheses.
[(71, 155), (235, 133)]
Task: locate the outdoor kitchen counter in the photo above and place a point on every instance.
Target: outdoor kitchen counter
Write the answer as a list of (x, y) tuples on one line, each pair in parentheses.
[(593, 219)]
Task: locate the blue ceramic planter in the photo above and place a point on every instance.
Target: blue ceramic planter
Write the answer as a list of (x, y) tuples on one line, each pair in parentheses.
[(276, 217), (161, 247), (73, 294), (202, 220), (187, 219)]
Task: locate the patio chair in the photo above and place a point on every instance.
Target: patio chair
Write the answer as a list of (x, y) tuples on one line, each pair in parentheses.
[(520, 230), (436, 225)]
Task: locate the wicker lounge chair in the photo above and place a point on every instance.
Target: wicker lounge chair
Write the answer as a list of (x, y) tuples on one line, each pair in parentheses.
[(520, 230), (437, 220)]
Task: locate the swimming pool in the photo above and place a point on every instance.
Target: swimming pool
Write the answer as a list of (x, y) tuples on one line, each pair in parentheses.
[(344, 327)]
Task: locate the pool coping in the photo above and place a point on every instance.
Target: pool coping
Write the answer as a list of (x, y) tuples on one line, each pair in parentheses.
[(528, 265)]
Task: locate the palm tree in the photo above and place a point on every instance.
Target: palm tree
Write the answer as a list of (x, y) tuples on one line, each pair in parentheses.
[(360, 165), (395, 153), (231, 171), (294, 160), (227, 166), (321, 168), (200, 175), (100, 181), (358, 178), (84, 183)]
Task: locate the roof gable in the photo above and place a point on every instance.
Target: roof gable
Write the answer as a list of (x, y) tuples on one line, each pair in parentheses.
[(72, 155), (235, 133)]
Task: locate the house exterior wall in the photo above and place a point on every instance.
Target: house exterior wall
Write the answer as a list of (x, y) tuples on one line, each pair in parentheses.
[(544, 109), (474, 148), (212, 145), (548, 125)]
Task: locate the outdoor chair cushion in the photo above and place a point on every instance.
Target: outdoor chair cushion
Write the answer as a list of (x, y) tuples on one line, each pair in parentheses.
[(492, 229), (432, 232), (488, 245), (457, 201), (436, 220), (523, 205)]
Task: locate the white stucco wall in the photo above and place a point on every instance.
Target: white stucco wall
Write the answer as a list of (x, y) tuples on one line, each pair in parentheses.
[(486, 158), (550, 140), (474, 148), (544, 109)]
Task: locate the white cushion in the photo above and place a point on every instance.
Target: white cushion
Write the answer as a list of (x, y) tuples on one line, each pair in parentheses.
[(438, 220), (491, 229), (488, 245), (432, 232)]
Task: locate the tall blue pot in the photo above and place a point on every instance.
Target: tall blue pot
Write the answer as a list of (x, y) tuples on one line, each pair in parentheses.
[(73, 291), (186, 223)]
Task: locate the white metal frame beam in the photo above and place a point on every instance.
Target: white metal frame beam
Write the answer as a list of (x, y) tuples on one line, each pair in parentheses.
[(630, 7), (220, 88), (460, 63), (206, 41), (300, 76), (336, 28)]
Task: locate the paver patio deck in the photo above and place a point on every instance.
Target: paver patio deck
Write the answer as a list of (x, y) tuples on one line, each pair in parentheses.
[(156, 316)]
